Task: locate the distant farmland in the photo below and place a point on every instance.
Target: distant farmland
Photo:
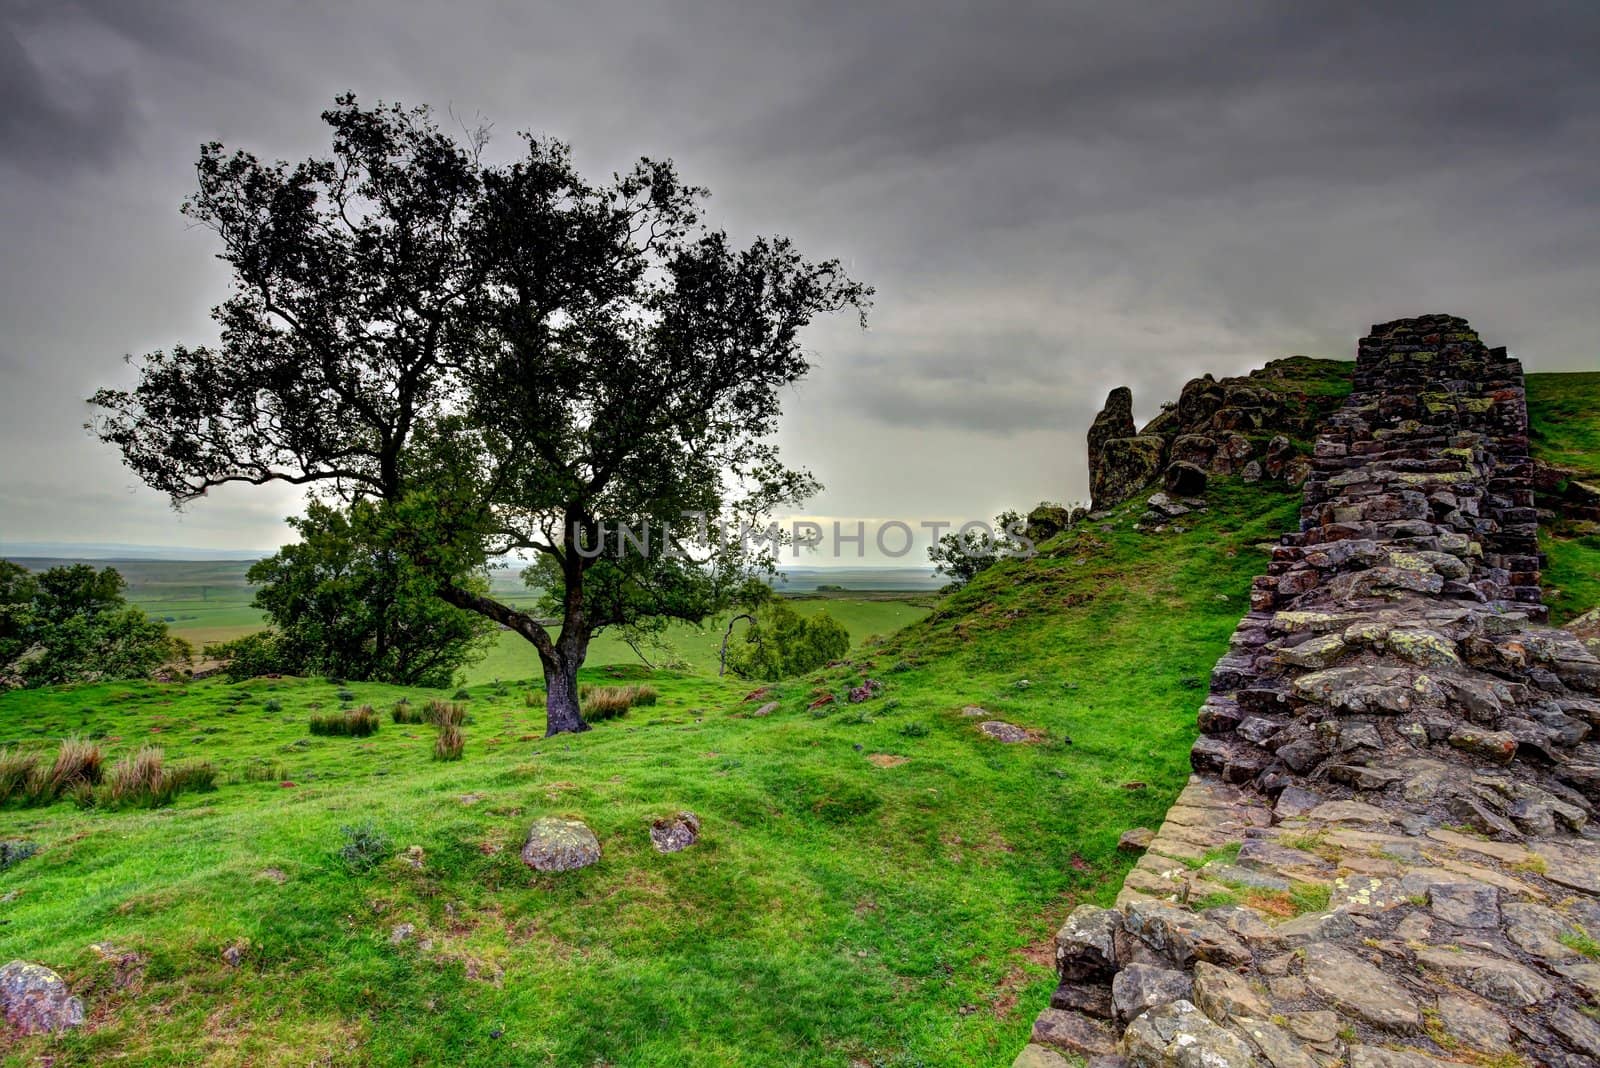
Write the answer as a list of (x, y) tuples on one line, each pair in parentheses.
[(209, 601)]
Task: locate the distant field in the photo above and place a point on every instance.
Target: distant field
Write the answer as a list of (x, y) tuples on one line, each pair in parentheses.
[(209, 601)]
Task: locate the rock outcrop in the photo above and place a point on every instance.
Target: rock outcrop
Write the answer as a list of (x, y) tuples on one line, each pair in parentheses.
[(1236, 426), (35, 1000), (1385, 855)]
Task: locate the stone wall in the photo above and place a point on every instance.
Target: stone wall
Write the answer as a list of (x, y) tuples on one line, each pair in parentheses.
[(1384, 858)]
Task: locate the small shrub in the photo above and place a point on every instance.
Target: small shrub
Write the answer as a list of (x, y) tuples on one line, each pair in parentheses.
[(450, 742), (77, 761), (346, 696), (645, 695), (462, 695), (350, 722), (914, 730), (272, 705), (196, 776), (18, 770), (404, 712), (13, 853), (365, 847)]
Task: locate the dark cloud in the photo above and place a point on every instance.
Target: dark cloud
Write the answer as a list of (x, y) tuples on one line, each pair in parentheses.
[(1052, 199)]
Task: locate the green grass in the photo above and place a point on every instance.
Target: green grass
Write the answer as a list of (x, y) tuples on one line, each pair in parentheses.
[(1564, 429), (862, 614), (842, 906)]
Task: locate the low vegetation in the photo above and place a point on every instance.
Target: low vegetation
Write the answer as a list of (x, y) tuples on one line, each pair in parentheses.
[(350, 722)]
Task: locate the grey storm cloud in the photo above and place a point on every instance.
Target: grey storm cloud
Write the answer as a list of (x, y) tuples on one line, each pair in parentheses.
[(1051, 199)]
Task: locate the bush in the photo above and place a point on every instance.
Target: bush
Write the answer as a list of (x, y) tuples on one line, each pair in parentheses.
[(349, 722), (462, 695), (404, 712), (273, 705), (450, 742), (18, 771), (12, 853), (253, 655), (346, 696), (365, 847), (601, 703)]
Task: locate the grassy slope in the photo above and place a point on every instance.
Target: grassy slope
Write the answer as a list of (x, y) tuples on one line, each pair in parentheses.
[(835, 912), (1564, 412)]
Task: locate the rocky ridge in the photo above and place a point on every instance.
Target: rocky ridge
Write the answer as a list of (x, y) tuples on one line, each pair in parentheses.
[(1385, 857), (1246, 426)]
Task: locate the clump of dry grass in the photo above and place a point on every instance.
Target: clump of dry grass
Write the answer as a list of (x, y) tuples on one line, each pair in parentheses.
[(144, 780), (450, 743), (404, 712), (351, 722), (446, 713), (19, 770), (608, 702), (77, 762)]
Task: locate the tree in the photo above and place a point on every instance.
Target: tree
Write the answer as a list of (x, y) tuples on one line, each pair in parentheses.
[(347, 604), (781, 642), (962, 554), (72, 624), (506, 359)]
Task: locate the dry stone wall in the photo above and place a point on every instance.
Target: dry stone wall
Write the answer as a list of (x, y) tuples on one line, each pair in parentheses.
[(1385, 857)]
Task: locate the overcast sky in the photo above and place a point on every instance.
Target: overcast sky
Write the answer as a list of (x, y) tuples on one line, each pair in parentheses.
[(1051, 200)]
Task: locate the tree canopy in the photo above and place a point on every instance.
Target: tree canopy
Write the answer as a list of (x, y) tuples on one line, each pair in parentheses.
[(508, 358), (72, 624)]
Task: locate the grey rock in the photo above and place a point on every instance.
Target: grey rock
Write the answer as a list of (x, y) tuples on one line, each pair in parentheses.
[(1223, 995), (675, 833), (1465, 904), (35, 1000), (1136, 840), (1474, 1024), (1580, 1030), (1496, 978), (768, 709), (1073, 1032), (1179, 1035), (1378, 1057), (560, 845), (1141, 986), (1086, 943), (1181, 935), (1002, 731), (1034, 1055), (1355, 987)]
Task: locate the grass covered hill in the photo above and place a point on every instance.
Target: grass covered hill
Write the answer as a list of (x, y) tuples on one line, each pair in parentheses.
[(876, 883)]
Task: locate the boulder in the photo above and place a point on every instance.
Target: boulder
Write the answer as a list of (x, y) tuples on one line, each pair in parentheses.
[(1136, 840), (1046, 521), (675, 833), (1114, 421), (1002, 731), (560, 845), (1184, 479), (1125, 466), (1178, 1035), (1139, 987), (35, 1000)]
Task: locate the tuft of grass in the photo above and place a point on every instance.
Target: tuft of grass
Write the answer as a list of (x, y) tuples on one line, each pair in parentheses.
[(445, 714), (405, 712), (365, 846), (19, 769), (1581, 941), (450, 742), (77, 761), (272, 705), (351, 722), (601, 703)]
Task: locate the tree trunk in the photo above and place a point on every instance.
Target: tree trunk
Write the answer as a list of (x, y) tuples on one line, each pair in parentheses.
[(562, 715)]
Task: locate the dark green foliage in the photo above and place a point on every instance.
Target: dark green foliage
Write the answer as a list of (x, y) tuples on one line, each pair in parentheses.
[(405, 712), (500, 357), (253, 656), (781, 643), (960, 556), (72, 624), (346, 604), (365, 846)]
